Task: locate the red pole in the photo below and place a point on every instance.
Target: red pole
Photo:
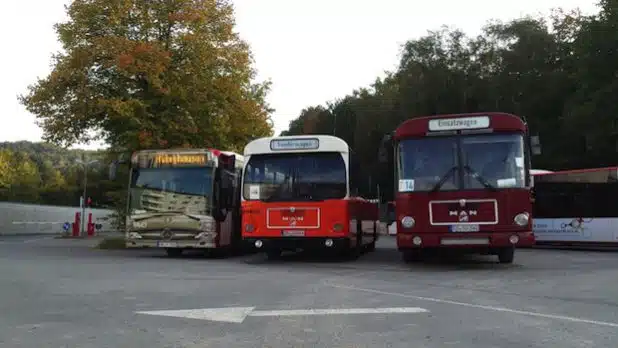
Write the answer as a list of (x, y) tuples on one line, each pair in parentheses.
[(90, 225), (76, 224)]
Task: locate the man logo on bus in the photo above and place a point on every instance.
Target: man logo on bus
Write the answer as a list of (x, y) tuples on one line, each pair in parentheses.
[(463, 214)]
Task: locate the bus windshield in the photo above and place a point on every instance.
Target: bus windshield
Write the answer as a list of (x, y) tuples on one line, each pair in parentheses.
[(295, 176), (186, 189), (487, 161)]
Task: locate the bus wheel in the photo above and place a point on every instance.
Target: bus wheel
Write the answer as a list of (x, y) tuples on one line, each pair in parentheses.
[(506, 255), (410, 256), (273, 254), (173, 252)]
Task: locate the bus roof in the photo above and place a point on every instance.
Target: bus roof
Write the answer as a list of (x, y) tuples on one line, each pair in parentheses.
[(420, 126), (585, 170), (296, 143), (186, 150), (590, 175), (540, 171)]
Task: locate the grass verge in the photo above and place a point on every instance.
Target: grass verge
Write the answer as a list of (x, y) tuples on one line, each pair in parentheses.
[(110, 243)]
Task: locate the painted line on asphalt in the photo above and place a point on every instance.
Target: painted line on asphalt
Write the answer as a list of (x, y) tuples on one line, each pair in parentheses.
[(472, 305)]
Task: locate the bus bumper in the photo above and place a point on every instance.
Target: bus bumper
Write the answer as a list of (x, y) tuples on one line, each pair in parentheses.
[(180, 244), (465, 240), (294, 243)]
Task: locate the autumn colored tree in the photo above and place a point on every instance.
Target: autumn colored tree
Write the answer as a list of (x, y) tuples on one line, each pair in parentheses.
[(144, 74)]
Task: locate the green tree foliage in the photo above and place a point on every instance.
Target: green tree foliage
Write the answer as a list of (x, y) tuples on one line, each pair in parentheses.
[(151, 74), (47, 174), (559, 74)]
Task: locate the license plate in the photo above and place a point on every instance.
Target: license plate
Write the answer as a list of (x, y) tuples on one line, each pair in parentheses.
[(167, 244), (293, 233), (464, 228)]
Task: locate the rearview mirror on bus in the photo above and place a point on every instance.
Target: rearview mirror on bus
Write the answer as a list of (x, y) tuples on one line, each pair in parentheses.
[(220, 193), (224, 185), (390, 213), (384, 150), (535, 145)]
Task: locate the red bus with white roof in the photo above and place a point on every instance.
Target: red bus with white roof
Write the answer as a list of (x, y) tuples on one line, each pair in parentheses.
[(576, 207), (461, 182), (301, 192)]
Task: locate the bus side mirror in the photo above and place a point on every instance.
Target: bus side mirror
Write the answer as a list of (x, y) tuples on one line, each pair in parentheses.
[(390, 213), (386, 169), (385, 149), (219, 196), (535, 145), (225, 180)]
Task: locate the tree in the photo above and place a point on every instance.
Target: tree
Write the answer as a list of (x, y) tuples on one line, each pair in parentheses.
[(7, 172), (559, 75), (159, 73)]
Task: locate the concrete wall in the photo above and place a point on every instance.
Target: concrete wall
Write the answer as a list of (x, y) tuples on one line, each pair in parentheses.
[(17, 218)]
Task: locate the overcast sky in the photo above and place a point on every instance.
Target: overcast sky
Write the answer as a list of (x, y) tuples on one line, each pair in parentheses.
[(312, 50)]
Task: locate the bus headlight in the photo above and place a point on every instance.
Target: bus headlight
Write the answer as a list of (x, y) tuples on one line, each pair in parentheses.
[(408, 222), (206, 235), (249, 228), (338, 227), (522, 219)]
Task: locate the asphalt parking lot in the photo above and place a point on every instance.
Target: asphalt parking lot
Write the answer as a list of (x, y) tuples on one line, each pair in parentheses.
[(62, 293)]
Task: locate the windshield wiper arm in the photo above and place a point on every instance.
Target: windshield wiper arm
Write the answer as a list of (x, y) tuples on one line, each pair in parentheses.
[(479, 178), (445, 177)]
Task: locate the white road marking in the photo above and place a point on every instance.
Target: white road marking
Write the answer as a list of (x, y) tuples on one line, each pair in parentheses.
[(238, 314), (472, 305)]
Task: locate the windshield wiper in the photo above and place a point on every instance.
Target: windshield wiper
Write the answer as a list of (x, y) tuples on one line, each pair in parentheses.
[(479, 178), (445, 177)]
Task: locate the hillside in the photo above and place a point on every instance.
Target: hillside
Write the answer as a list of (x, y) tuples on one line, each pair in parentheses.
[(37, 172)]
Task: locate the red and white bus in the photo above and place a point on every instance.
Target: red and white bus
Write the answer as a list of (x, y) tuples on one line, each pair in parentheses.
[(576, 207), (301, 192), (462, 182)]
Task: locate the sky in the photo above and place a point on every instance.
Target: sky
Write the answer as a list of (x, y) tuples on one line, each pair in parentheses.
[(313, 51)]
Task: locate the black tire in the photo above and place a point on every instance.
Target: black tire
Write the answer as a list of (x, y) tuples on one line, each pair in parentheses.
[(173, 252), (372, 246), (352, 252), (410, 256), (506, 255)]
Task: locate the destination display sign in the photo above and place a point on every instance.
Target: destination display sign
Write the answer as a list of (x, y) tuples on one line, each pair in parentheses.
[(449, 124), (179, 159), (166, 159), (294, 144)]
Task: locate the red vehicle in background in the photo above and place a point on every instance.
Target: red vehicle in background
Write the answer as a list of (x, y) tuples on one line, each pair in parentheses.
[(302, 192), (462, 182)]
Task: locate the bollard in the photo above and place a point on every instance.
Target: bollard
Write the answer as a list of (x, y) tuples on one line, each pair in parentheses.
[(90, 225), (76, 224)]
